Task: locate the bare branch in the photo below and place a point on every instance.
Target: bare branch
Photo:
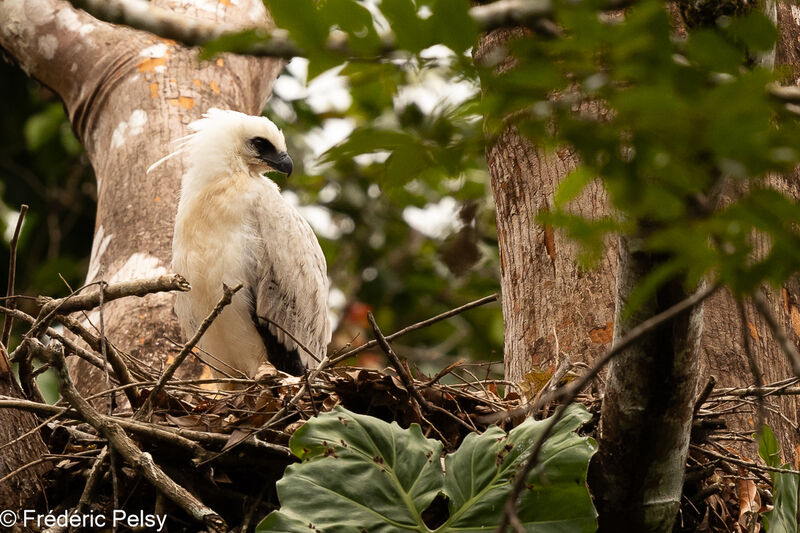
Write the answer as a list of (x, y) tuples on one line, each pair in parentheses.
[(114, 291), (143, 462), (408, 381), (415, 327), (227, 296), (276, 43), (12, 269), (568, 393)]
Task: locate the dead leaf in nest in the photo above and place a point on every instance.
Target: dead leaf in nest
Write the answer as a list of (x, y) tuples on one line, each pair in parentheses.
[(220, 476), (203, 405), (236, 437), (266, 401), (398, 383), (331, 401), (535, 380), (749, 503), (294, 426), (188, 421)]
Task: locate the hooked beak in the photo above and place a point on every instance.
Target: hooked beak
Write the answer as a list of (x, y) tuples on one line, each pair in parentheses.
[(281, 162)]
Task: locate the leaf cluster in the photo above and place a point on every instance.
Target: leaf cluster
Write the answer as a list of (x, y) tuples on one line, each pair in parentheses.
[(359, 473)]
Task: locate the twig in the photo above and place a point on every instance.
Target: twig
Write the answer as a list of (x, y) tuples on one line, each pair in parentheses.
[(443, 372), (227, 296), (216, 359), (568, 393), (113, 467), (741, 392), (30, 431), (326, 361), (786, 345), (103, 350), (111, 356), (183, 438), (754, 370), (142, 462), (47, 459), (704, 394), (12, 272), (408, 381), (251, 513), (739, 462), (53, 334), (415, 327), (95, 475)]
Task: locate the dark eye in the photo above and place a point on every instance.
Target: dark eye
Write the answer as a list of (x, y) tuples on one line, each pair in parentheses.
[(262, 145)]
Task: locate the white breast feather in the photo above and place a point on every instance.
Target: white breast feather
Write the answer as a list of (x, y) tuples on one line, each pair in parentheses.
[(234, 227)]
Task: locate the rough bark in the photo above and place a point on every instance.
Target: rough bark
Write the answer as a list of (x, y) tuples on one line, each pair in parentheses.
[(19, 491), (129, 95), (554, 309)]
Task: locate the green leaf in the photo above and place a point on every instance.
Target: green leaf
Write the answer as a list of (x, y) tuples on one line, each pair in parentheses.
[(356, 20), (754, 30), (358, 472), (362, 474), (452, 25), (571, 186), (712, 51), (782, 518), (480, 475), (411, 32)]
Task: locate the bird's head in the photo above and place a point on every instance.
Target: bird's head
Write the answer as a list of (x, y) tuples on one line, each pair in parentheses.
[(224, 140)]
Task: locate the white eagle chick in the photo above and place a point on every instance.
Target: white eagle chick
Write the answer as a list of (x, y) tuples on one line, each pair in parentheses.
[(233, 226)]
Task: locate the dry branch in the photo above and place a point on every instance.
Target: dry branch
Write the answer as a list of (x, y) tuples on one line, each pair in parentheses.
[(112, 355), (84, 354), (786, 345), (114, 291), (567, 394), (145, 16), (12, 271), (415, 327), (408, 381), (142, 462), (227, 296)]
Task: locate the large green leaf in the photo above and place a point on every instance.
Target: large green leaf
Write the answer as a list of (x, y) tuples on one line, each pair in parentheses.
[(481, 472), (783, 518), (362, 474), (358, 473)]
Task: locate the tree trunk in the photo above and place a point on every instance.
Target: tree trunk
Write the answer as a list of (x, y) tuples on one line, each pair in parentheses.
[(129, 95), (647, 412), (554, 309)]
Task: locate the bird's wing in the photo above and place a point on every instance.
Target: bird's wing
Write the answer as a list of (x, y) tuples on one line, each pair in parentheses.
[(289, 287)]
